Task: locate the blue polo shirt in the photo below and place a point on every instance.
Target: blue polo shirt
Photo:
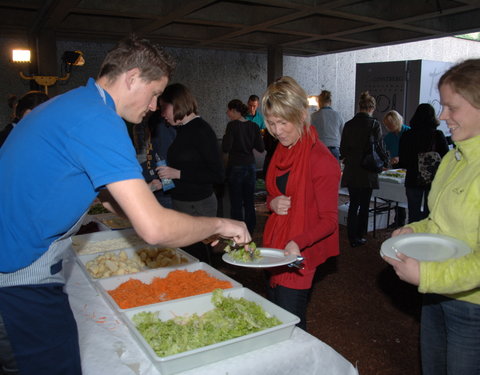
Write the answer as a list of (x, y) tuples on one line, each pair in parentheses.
[(52, 167)]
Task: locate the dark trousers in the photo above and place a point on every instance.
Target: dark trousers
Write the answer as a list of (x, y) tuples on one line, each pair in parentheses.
[(41, 329), (205, 207), (400, 216), (292, 300), (8, 366), (241, 184), (358, 209), (416, 209)]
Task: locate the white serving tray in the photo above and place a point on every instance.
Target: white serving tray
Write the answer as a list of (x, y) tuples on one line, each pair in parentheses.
[(104, 285), (216, 352), (83, 259), (126, 237)]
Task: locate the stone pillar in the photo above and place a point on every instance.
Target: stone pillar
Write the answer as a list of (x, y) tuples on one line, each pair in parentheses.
[(46, 58), (274, 63)]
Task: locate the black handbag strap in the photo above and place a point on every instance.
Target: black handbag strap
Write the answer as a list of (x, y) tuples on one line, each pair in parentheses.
[(372, 138)]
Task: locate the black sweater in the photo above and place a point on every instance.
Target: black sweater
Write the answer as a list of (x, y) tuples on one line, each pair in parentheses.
[(240, 138), (196, 154)]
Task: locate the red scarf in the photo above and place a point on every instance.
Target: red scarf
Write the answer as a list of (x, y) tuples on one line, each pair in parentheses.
[(280, 229)]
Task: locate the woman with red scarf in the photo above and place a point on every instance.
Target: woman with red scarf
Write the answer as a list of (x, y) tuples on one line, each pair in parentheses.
[(302, 184)]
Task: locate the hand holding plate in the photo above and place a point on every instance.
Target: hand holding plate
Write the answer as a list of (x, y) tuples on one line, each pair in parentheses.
[(402, 230), (292, 249), (407, 269)]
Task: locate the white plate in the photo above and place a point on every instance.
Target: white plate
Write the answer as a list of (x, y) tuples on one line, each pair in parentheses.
[(425, 247), (270, 258)]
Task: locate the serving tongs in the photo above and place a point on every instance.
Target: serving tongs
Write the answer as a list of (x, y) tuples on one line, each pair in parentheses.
[(298, 263)]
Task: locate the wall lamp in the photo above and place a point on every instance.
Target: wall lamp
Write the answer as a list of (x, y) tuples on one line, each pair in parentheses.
[(313, 101), (69, 59)]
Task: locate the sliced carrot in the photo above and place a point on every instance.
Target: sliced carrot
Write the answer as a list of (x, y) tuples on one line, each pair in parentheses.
[(177, 284)]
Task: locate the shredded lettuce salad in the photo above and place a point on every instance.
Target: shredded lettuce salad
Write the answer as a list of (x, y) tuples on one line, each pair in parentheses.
[(241, 254), (230, 318)]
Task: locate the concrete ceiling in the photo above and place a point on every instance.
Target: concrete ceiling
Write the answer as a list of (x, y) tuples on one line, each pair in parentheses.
[(296, 27)]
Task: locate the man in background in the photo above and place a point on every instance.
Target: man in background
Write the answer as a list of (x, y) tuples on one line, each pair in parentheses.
[(253, 113)]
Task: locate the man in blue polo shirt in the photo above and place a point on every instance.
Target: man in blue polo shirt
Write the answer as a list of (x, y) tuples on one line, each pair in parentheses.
[(67, 152)]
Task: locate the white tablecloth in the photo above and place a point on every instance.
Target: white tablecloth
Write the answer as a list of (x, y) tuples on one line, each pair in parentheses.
[(108, 348), (392, 191)]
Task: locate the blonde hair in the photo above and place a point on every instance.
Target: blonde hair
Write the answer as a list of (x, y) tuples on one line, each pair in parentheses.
[(286, 99), (366, 102), (394, 118)]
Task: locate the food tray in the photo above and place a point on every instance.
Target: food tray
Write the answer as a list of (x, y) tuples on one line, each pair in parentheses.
[(393, 175), (83, 259), (112, 221), (104, 285), (216, 352), (99, 242)]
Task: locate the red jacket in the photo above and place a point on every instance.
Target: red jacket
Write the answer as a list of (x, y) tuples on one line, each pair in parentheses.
[(320, 239)]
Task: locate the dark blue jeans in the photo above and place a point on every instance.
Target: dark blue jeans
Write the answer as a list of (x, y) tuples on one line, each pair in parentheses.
[(241, 184), (415, 196), (450, 336), (292, 300)]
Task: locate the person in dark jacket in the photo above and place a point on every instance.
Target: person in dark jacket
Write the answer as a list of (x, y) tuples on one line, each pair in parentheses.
[(24, 106), (422, 137), (240, 139), (359, 181)]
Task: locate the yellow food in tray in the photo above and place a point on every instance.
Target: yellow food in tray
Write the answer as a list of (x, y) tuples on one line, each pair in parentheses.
[(120, 263), (154, 257), (113, 264)]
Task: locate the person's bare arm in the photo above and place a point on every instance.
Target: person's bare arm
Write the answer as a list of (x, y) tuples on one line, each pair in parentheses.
[(159, 225), (109, 203)]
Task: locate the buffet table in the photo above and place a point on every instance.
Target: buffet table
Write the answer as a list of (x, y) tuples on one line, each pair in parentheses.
[(391, 190), (389, 195), (108, 348)]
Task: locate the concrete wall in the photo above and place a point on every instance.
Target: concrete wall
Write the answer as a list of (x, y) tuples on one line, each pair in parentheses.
[(336, 73), (216, 77)]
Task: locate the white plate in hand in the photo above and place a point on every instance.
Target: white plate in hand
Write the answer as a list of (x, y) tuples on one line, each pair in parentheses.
[(270, 258), (425, 247)]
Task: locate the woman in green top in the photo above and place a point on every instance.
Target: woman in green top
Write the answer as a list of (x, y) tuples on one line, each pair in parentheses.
[(450, 324)]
